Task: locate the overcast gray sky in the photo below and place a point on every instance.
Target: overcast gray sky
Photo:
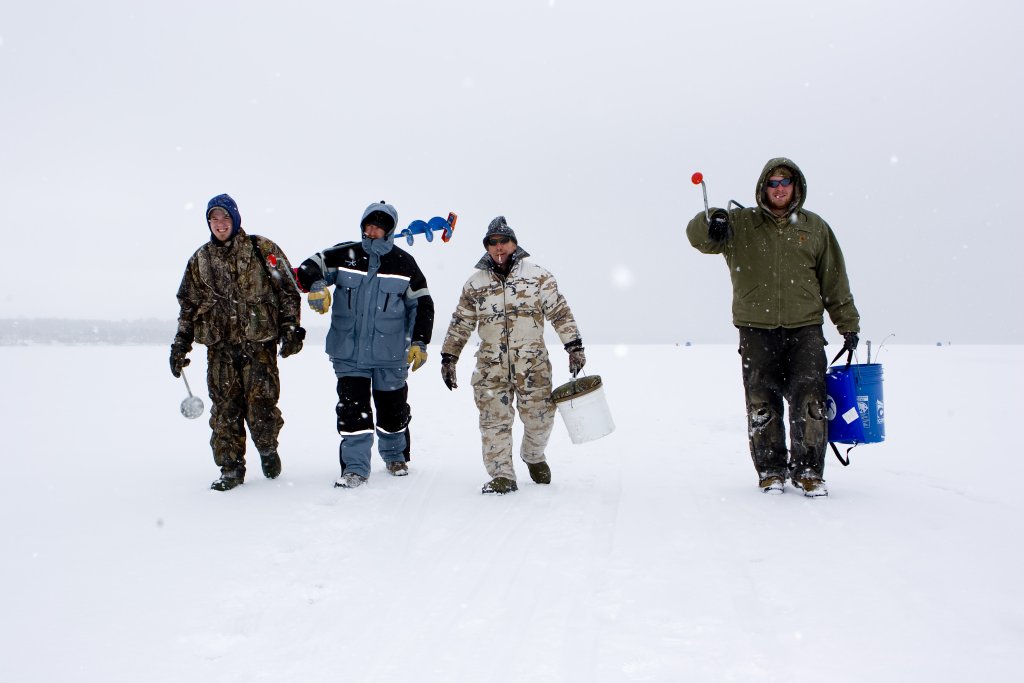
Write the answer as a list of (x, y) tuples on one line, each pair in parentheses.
[(580, 121)]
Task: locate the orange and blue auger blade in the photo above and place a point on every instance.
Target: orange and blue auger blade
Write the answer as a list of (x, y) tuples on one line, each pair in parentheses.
[(427, 228)]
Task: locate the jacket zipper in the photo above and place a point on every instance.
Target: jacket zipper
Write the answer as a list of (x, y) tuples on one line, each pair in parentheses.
[(508, 343), (778, 277)]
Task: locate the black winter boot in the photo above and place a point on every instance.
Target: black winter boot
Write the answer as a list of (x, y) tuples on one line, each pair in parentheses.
[(228, 480), (500, 486), (271, 465), (539, 472)]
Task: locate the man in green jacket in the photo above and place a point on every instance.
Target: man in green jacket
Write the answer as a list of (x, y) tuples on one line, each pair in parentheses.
[(786, 269)]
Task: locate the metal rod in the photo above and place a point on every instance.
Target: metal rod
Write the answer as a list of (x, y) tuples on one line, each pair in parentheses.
[(704, 189), (878, 353)]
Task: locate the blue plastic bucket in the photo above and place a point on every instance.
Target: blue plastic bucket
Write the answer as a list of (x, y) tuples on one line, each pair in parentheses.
[(854, 404)]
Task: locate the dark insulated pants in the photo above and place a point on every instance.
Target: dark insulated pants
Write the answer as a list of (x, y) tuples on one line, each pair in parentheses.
[(244, 387), (785, 365), (356, 424)]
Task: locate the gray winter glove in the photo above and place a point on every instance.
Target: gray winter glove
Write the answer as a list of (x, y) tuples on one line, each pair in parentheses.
[(577, 359), (448, 362), (319, 298), (718, 225)]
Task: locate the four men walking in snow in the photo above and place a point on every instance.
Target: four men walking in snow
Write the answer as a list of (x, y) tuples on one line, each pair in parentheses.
[(239, 298)]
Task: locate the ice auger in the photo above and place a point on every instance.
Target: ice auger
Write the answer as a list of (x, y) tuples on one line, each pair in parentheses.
[(428, 228)]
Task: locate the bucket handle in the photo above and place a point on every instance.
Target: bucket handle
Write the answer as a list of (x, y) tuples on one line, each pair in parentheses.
[(574, 380), (845, 463)]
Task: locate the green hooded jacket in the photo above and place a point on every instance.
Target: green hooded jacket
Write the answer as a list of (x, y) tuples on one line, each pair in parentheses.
[(785, 271)]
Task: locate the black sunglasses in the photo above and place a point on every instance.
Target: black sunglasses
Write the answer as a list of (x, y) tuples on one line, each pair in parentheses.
[(495, 241), (785, 182)]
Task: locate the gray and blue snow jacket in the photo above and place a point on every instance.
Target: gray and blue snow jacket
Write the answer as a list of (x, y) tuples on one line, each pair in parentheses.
[(381, 304)]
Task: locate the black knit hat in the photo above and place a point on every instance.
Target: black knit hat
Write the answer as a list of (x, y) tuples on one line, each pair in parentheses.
[(499, 227), (381, 219)]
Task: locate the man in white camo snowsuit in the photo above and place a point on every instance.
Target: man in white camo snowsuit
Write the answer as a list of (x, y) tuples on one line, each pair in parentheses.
[(507, 300)]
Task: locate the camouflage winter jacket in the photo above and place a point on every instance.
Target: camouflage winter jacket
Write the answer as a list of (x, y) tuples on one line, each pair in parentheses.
[(785, 271), (509, 312), (231, 294)]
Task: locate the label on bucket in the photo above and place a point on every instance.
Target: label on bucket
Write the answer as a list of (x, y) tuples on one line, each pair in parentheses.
[(850, 415), (864, 407)]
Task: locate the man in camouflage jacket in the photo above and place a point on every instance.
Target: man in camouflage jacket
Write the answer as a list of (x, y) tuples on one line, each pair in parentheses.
[(239, 298), (507, 300), (787, 270)]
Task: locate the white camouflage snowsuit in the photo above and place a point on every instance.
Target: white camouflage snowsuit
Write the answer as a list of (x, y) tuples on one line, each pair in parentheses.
[(511, 361)]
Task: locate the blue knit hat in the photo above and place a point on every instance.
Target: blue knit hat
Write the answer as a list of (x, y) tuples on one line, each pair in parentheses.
[(224, 201)]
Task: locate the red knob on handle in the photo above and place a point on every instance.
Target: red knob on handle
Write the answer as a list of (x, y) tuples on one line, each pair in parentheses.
[(697, 178)]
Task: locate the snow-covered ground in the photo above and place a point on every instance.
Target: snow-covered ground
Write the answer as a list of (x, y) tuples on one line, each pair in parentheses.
[(652, 556)]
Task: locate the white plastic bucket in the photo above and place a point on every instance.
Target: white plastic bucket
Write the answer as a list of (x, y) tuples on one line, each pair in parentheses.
[(582, 405)]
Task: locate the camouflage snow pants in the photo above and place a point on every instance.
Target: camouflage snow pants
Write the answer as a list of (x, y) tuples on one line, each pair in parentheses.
[(244, 387), (494, 392), (785, 364)]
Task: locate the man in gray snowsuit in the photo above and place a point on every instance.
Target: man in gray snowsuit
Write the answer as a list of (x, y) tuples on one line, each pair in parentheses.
[(382, 318), (787, 270), (507, 300)]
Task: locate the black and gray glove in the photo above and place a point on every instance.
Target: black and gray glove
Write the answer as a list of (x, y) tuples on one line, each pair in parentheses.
[(577, 359), (291, 339), (718, 225), (179, 351), (850, 341), (448, 362)]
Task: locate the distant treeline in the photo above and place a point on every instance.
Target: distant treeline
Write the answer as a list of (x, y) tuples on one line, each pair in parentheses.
[(19, 332)]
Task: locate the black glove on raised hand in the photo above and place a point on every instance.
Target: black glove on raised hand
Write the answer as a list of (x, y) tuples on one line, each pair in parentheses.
[(291, 339), (577, 359), (718, 225), (179, 351), (448, 362)]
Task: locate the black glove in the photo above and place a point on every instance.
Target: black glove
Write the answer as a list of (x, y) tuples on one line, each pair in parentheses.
[(291, 340), (179, 351), (448, 362), (850, 341), (718, 225), (577, 359)]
